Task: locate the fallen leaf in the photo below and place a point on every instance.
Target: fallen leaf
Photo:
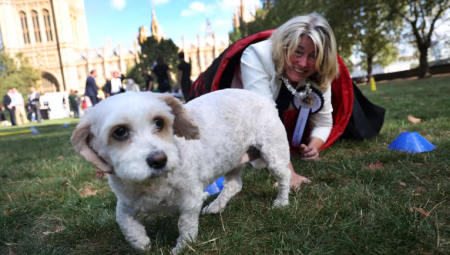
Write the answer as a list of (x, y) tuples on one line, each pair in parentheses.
[(11, 252), (415, 194), (419, 210), (420, 189), (402, 184), (414, 120), (59, 229), (60, 158), (7, 213), (376, 165), (422, 104), (448, 132), (95, 244), (419, 164), (88, 192)]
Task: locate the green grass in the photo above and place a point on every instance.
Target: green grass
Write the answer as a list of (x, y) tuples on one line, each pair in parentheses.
[(348, 209)]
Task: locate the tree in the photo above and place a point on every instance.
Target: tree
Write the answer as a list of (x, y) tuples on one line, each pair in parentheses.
[(423, 16), (151, 49), (17, 72), (235, 35), (134, 73), (375, 33)]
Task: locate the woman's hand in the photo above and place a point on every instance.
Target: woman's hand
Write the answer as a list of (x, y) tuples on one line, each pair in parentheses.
[(309, 153)]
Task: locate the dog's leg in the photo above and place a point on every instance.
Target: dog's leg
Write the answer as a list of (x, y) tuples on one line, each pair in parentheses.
[(275, 152), (280, 169), (133, 231), (232, 186), (188, 221)]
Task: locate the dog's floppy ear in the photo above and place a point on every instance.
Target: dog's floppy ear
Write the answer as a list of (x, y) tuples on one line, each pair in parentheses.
[(183, 124), (80, 141)]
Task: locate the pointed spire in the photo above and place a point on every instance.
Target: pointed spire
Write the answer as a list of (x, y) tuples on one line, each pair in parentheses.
[(155, 28), (242, 11), (209, 30)]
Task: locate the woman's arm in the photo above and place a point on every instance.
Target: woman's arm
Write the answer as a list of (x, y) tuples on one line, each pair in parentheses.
[(253, 75), (321, 125)]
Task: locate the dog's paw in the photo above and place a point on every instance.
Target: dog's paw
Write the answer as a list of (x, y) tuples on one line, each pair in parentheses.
[(213, 208), (142, 244), (280, 203), (177, 250)]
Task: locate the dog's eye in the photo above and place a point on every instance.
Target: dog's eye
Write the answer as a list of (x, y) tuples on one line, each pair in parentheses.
[(121, 133), (159, 123)]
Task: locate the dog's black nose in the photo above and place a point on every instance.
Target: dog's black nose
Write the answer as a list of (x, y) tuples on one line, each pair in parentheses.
[(157, 160)]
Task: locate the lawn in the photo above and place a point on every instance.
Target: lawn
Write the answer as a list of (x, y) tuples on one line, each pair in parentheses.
[(360, 201)]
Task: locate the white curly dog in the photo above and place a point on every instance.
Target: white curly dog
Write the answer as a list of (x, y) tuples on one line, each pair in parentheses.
[(161, 155)]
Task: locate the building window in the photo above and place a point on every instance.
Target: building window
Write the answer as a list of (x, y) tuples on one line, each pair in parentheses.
[(37, 28), (25, 32), (48, 26)]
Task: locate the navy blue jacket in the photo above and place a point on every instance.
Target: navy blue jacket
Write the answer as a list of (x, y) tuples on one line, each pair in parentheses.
[(91, 89)]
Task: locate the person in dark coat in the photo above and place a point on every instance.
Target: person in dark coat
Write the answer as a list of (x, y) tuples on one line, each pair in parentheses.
[(184, 76), (91, 89), (8, 102), (114, 85), (162, 72), (149, 84), (35, 103)]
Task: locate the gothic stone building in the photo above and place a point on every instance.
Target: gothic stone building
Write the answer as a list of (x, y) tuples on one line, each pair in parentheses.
[(51, 32)]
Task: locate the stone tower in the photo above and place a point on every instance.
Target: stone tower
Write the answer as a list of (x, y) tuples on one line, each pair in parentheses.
[(156, 30)]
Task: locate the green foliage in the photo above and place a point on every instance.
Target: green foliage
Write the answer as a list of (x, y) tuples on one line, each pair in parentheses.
[(374, 33), (151, 49), (17, 72), (386, 56), (423, 17), (134, 73), (235, 35)]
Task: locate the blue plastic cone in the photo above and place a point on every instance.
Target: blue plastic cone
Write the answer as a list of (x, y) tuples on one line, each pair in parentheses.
[(215, 187), (65, 125), (32, 128), (35, 132), (411, 142)]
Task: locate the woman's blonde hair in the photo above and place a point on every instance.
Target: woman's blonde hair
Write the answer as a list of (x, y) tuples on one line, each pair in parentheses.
[(286, 38)]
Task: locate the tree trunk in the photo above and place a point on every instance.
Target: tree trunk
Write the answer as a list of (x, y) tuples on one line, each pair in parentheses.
[(424, 68), (369, 68)]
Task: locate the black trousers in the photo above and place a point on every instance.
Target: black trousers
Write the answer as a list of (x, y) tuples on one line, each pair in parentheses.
[(76, 111), (37, 111), (12, 114), (94, 100)]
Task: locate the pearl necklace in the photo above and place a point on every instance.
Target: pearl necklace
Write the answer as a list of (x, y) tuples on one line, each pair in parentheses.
[(299, 95)]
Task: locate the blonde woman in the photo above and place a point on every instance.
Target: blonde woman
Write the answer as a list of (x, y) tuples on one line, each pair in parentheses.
[(301, 50)]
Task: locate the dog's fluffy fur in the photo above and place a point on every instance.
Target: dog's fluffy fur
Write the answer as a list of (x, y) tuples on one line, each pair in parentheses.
[(211, 136)]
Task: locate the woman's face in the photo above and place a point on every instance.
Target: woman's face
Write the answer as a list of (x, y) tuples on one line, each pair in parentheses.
[(303, 61)]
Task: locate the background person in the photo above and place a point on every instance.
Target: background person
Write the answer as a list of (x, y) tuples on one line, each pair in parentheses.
[(162, 72), (20, 108), (35, 104), (91, 89), (8, 102), (114, 85), (184, 76)]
